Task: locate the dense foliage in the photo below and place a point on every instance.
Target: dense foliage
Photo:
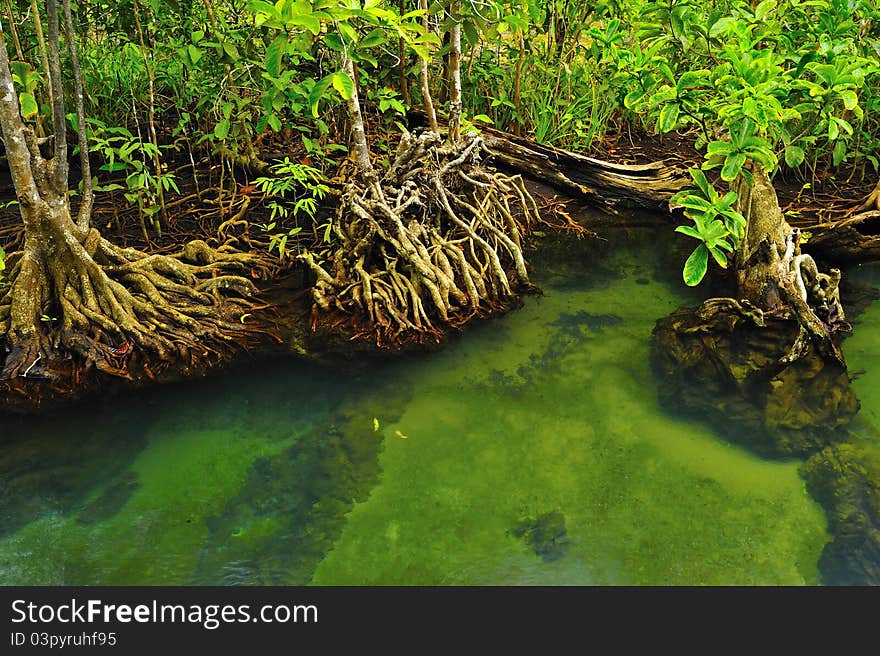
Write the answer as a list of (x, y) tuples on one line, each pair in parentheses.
[(789, 84)]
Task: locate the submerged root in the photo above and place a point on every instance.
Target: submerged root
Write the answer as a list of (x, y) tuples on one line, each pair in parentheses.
[(102, 304), (437, 240)]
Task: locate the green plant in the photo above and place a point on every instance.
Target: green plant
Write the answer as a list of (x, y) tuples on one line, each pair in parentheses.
[(295, 189), (717, 225)]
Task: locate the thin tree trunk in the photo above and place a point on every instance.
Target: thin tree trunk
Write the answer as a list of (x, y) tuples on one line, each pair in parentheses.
[(85, 208), (15, 39), (426, 86), (41, 42), (455, 104), (59, 121), (212, 17), (157, 162), (356, 121), (401, 53)]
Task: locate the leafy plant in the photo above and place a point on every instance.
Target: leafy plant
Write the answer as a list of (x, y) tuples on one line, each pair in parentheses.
[(715, 224), (298, 188)]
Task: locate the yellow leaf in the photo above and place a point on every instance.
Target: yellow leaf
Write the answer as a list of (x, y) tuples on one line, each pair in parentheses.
[(401, 435), (375, 424)]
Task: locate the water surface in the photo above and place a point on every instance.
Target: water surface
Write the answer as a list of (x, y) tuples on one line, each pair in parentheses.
[(531, 450)]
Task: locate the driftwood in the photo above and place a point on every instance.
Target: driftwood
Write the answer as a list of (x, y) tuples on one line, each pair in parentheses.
[(852, 239), (610, 186)]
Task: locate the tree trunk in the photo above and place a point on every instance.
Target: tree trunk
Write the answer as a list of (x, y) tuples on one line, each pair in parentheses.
[(70, 288), (774, 275), (426, 86), (455, 102)]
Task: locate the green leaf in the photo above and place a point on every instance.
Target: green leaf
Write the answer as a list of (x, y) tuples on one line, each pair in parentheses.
[(343, 84), (318, 92), (230, 49), (850, 99), (721, 26), (350, 34), (719, 256), (221, 130), (668, 117), (29, 107), (764, 8), (309, 21), (267, 8), (274, 55), (195, 53), (375, 38), (275, 122), (732, 166), (633, 98), (700, 180), (689, 231), (794, 156), (696, 265)]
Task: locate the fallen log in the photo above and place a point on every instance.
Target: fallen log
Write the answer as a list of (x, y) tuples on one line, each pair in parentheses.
[(607, 185), (612, 187), (854, 239)]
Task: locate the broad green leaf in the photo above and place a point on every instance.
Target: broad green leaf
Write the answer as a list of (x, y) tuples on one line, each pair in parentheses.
[(29, 107), (850, 99), (275, 122), (318, 92), (668, 117), (350, 34), (274, 55), (719, 148), (764, 8), (732, 166), (195, 53), (221, 130), (700, 180), (375, 38), (695, 203), (696, 265), (343, 84), (719, 256), (267, 8), (689, 231), (721, 26), (838, 152), (633, 98), (833, 130), (230, 49), (310, 22), (794, 156)]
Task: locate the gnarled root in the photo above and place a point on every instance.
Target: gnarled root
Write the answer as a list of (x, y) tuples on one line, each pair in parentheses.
[(437, 240), (101, 304)]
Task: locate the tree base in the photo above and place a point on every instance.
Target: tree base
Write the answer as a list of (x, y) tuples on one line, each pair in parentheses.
[(434, 242), (101, 305)]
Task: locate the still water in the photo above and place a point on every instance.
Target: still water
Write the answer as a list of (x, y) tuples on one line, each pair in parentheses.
[(531, 450)]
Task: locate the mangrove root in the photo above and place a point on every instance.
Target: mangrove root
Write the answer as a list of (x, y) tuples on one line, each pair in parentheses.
[(436, 240), (101, 303)]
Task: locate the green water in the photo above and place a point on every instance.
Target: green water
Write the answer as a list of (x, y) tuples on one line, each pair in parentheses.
[(531, 450)]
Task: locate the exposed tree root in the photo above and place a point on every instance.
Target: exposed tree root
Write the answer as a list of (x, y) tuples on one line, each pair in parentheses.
[(100, 303), (872, 202), (436, 241)]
